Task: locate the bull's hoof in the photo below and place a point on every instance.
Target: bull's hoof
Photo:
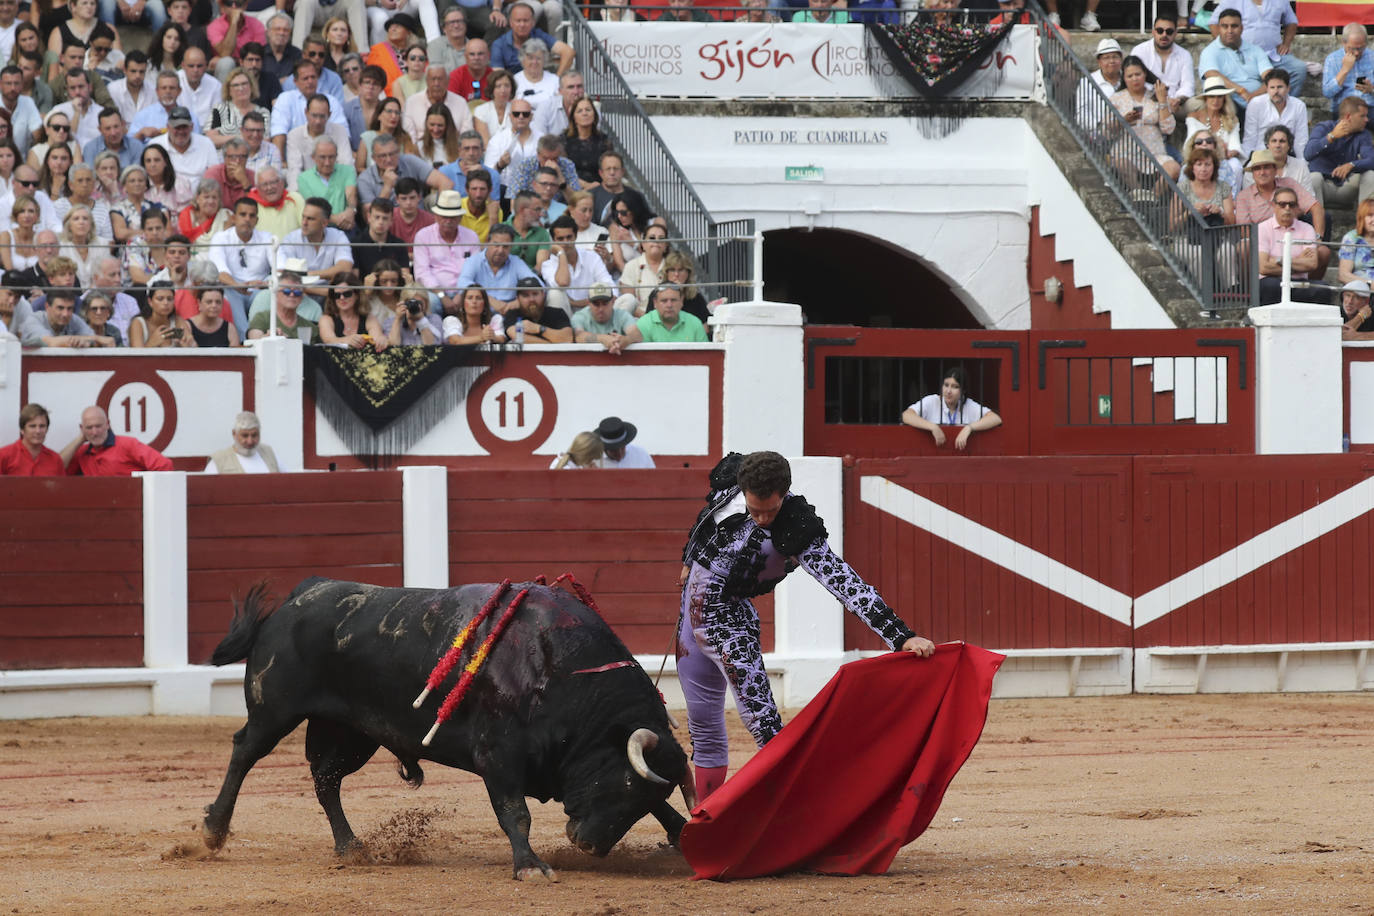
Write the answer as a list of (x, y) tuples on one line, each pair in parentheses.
[(214, 839), (542, 870), (354, 853)]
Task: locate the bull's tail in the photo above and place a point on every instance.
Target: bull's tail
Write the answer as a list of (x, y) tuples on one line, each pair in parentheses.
[(243, 631)]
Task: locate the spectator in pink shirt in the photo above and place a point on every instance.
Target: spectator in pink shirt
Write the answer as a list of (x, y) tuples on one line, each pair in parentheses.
[(1305, 260), (441, 249), (229, 33)]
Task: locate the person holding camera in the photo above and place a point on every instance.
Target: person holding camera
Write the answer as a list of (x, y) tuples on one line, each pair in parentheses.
[(159, 325), (290, 322), (411, 324)]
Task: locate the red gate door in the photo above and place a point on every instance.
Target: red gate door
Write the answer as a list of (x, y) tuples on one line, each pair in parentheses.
[(1272, 549), (859, 380), (1012, 553), (1142, 392)]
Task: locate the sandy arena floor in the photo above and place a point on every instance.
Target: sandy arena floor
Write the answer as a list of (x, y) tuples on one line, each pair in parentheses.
[(1233, 804)]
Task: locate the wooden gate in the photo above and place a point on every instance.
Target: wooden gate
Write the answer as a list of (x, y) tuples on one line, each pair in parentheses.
[(1094, 392), (1025, 553)]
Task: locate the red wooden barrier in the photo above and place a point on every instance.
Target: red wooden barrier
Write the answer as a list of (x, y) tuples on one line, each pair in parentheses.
[(71, 582), (1073, 512), (620, 532), (285, 527), (1088, 395), (1308, 586)]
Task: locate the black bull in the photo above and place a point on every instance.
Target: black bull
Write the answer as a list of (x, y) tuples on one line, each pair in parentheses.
[(351, 658)]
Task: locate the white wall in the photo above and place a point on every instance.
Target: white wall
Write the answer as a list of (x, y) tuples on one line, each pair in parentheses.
[(961, 203)]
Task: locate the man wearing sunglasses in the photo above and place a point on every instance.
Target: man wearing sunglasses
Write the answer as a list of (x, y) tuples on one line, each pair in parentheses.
[(1305, 259), (290, 322), (1168, 61), (25, 182)]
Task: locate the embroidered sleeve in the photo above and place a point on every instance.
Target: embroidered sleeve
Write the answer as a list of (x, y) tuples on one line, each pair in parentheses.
[(858, 597)]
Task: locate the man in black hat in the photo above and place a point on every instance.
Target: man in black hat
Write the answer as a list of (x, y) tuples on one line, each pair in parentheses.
[(617, 438), (190, 152), (531, 321)]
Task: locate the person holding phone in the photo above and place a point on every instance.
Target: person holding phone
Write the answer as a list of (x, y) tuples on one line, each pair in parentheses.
[(159, 325), (1349, 70), (1146, 110)]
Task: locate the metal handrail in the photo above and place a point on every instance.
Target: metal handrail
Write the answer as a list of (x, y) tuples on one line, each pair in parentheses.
[(1216, 264), (648, 160)]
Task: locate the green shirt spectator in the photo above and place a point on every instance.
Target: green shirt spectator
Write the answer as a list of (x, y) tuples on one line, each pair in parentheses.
[(668, 323), (334, 190)]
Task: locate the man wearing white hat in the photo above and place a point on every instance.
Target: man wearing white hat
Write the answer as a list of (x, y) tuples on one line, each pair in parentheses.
[(1105, 79), (441, 250), (1356, 314), (1168, 61)]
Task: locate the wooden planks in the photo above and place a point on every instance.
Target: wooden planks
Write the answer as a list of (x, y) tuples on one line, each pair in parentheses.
[(1211, 509), (71, 580), (1072, 511), (620, 532), (282, 528)]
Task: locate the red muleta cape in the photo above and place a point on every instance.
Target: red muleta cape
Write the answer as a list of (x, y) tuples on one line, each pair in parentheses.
[(857, 775)]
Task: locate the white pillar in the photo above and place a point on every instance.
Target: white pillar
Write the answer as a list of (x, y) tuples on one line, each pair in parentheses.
[(424, 526), (807, 619), (164, 569), (808, 623), (1298, 403), (278, 397), (763, 376), (10, 378)]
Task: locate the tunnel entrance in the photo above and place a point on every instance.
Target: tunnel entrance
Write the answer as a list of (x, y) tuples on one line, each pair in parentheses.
[(843, 277)]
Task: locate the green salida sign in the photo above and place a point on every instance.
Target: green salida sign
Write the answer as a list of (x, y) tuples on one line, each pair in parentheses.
[(804, 173)]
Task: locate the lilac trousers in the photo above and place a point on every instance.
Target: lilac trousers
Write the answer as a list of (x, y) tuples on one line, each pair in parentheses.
[(718, 645)]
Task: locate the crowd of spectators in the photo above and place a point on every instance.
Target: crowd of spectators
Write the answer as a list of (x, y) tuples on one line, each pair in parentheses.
[(354, 175), (1231, 129)]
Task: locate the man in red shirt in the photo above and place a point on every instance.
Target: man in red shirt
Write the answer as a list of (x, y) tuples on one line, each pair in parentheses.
[(27, 456), (100, 453), (470, 80)]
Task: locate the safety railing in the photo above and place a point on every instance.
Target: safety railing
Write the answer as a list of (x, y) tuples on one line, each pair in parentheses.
[(648, 160), (1216, 264), (737, 252)]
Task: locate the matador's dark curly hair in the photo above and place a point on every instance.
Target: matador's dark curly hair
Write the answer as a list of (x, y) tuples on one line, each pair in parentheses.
[(764, 473)]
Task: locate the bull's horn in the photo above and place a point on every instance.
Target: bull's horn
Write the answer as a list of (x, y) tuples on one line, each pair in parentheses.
[(642, 740)]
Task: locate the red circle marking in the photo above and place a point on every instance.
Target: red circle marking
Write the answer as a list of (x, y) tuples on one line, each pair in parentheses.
[(526, 371), (164, 392)]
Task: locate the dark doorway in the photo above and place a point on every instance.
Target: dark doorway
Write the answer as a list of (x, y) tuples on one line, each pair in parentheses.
[(842, 277)]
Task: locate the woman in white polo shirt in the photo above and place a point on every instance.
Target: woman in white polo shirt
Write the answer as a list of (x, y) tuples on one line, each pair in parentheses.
[(951, 407)]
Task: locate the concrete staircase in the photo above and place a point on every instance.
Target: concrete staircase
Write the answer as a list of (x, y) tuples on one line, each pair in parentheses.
[(1308, 47)]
